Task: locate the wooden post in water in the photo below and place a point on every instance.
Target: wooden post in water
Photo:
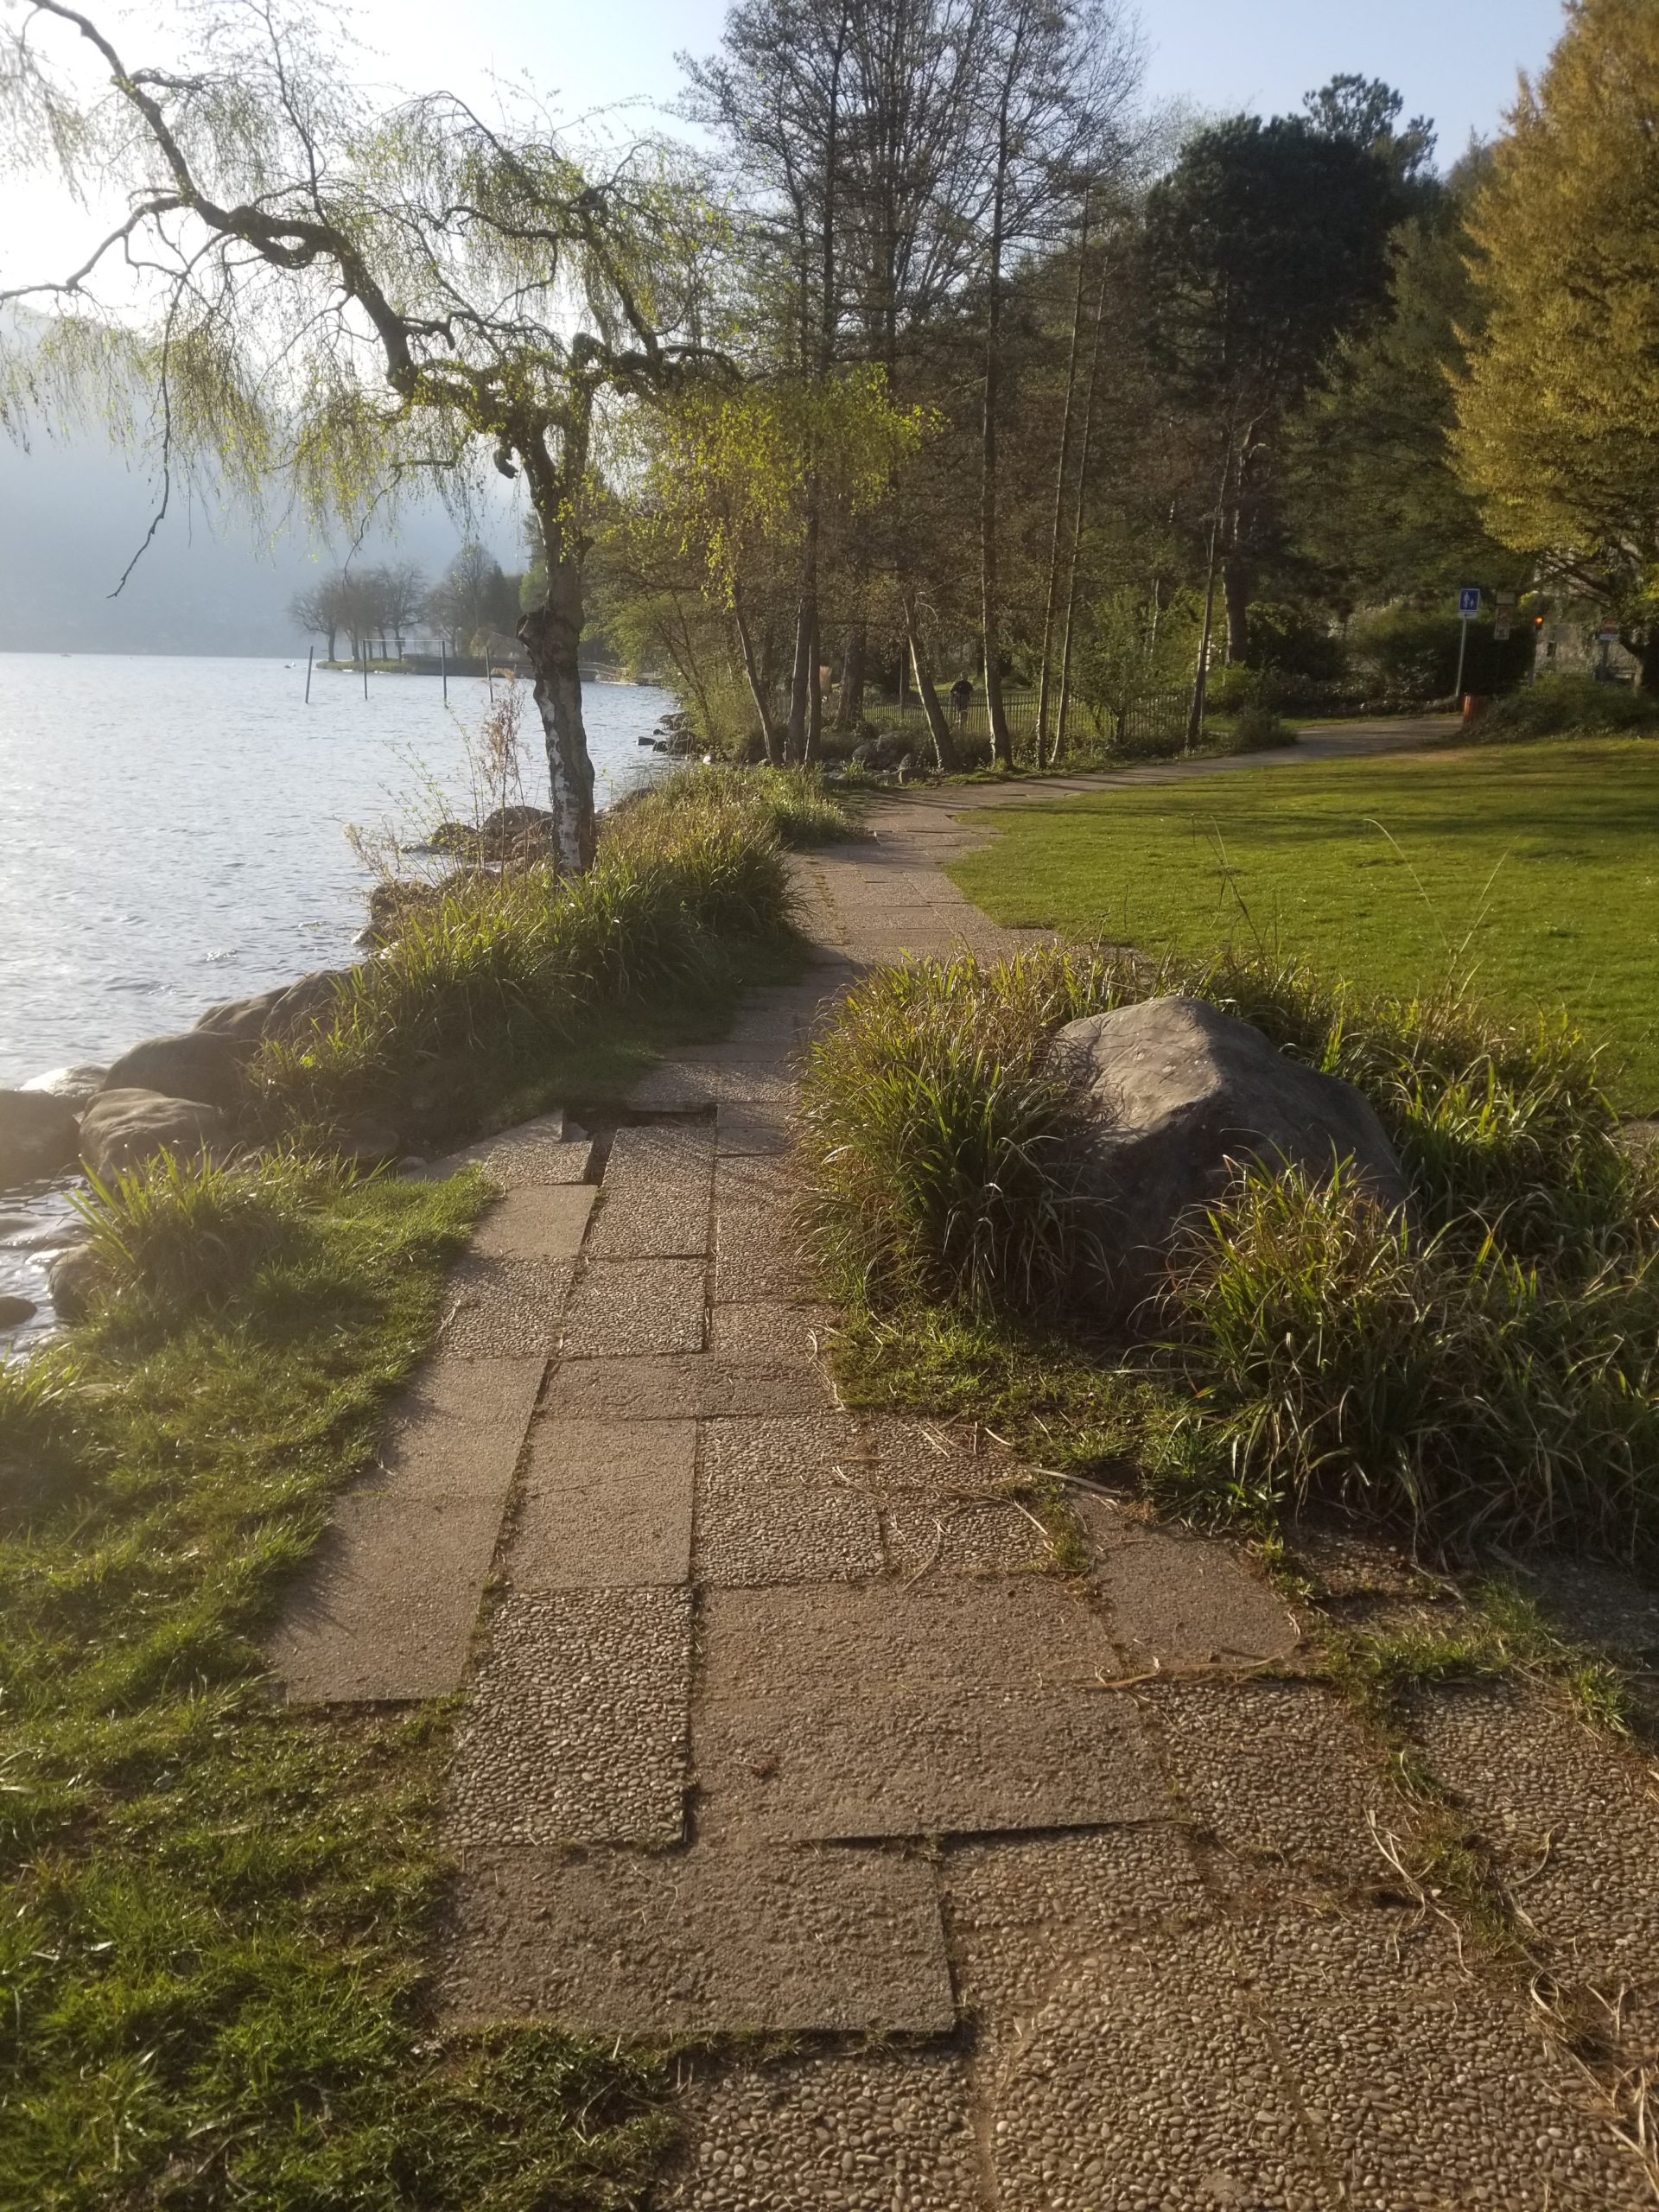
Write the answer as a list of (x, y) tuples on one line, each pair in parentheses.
[(310, 655), (489, 674), (365, 668), (443, 666)]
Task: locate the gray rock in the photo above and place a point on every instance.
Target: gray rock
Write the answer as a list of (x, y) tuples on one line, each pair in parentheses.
[(39, 1136), (1176, 1094), (122, 1127), (74, 1279), (280, 1012), (197, 1064), (14, 1312), (75, 1086)]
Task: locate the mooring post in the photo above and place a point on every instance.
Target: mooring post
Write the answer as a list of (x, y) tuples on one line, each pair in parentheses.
[(310, 655), (365, 668), (443, 666)]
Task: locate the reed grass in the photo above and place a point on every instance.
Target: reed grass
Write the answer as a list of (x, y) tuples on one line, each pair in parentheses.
[(1481, 1372)]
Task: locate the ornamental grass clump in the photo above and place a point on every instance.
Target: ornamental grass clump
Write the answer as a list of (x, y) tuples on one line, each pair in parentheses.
[(1338, 1357), (503, 967), (1481, 1370), (937, 1137)]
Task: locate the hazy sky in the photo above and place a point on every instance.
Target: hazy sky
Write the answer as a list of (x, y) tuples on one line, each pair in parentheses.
[(1454, 59)]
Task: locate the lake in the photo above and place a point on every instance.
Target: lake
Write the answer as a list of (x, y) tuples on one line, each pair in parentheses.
[(172, 833)]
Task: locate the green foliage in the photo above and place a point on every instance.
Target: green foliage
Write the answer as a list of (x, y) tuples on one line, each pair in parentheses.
[(1258, 728), (217, 1911), (1522, 872), (1286, 640), (1482, 1370), (489, 979), (174, 1233), (1561, 705), (1466, 1397), (936, 1137)]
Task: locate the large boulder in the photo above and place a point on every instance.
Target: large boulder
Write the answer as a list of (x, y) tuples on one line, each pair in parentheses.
[(281, 1012), (39, 1136), (197, 1064), (75, 1086), (1175, 1095), (122, 1127)]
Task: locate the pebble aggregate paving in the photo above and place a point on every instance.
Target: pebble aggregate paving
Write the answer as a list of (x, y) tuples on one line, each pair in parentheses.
[(784, 1721)]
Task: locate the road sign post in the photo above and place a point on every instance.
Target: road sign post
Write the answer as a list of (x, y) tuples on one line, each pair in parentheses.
[(1468, 607)]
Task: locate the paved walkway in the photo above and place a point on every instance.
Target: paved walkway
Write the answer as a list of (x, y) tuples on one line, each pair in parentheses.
[(1067, 1890)]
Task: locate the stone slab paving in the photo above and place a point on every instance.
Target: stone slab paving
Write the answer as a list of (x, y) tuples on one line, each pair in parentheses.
[(783, 1720), (702, 1942)]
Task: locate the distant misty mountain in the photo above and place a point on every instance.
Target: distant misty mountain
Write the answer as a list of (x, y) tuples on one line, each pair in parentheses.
[(74, 513)]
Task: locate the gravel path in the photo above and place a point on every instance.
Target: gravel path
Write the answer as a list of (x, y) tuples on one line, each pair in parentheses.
[(1062, 1892)]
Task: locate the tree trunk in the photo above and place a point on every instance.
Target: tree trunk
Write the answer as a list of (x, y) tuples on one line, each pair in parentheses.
[(804, 674), (1236, 580), (1060, 488), (849, 707), (990, 612), (333, 638), (757, 688), (551, 636), (921, 667), (1646, 650), (1076, 555), (814, 699)]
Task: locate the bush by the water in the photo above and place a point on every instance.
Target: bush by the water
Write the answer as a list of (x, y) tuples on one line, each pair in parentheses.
[(501, 968), (1557, 705), (1485, 1370)]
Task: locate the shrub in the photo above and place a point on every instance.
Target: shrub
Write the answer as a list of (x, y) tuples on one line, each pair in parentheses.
[(1258, 729), (38, 1410), (1486, 1371), (502, 967), (1459, 1396), (1287, 641), (1558, 704), (176, 1234), (937, 1139)]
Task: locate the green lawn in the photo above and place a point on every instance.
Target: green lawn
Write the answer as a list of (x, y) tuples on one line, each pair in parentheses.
[(1533, 870)]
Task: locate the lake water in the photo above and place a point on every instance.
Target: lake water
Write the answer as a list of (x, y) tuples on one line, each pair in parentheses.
[(172, 833)]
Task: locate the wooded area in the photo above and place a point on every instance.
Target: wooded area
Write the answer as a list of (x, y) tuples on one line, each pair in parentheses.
[(942, 361)]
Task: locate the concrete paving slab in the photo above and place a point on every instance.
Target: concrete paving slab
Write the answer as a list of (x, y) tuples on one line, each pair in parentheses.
[(925, 1763), (504, 1309), (1430, 2084), (607, 1505), (456, 1430), (1143, 2079), (390, 1599), (1276, 1771), (628, 1308), (704, 1942), (770, 1330), (535, 1152), (653, 1221), (680, 1086), (1186, 1601), (847, 1710), (760, 1269), (575, 1722), (655, 1153), (751, 1129), (680, 1389), (975, 1537), (818, 1450), (751, 1537), (537, 1221), (912, 1458), (1575, 1824), (871, 2132), (755, 1185)]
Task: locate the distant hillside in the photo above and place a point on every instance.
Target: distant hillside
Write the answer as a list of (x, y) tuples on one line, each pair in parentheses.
[(74, 516)]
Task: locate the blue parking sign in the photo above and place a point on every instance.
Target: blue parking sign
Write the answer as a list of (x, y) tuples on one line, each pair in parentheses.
[(1468, 601)]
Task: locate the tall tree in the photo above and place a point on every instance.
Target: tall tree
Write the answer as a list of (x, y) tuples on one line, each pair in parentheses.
[(350, 299), (1265, 242), (1558, 413), (321, 608)]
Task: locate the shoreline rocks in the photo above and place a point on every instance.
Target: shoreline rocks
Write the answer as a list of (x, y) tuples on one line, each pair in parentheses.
[(39, 1136), (122, 1126), (199, 1064)]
